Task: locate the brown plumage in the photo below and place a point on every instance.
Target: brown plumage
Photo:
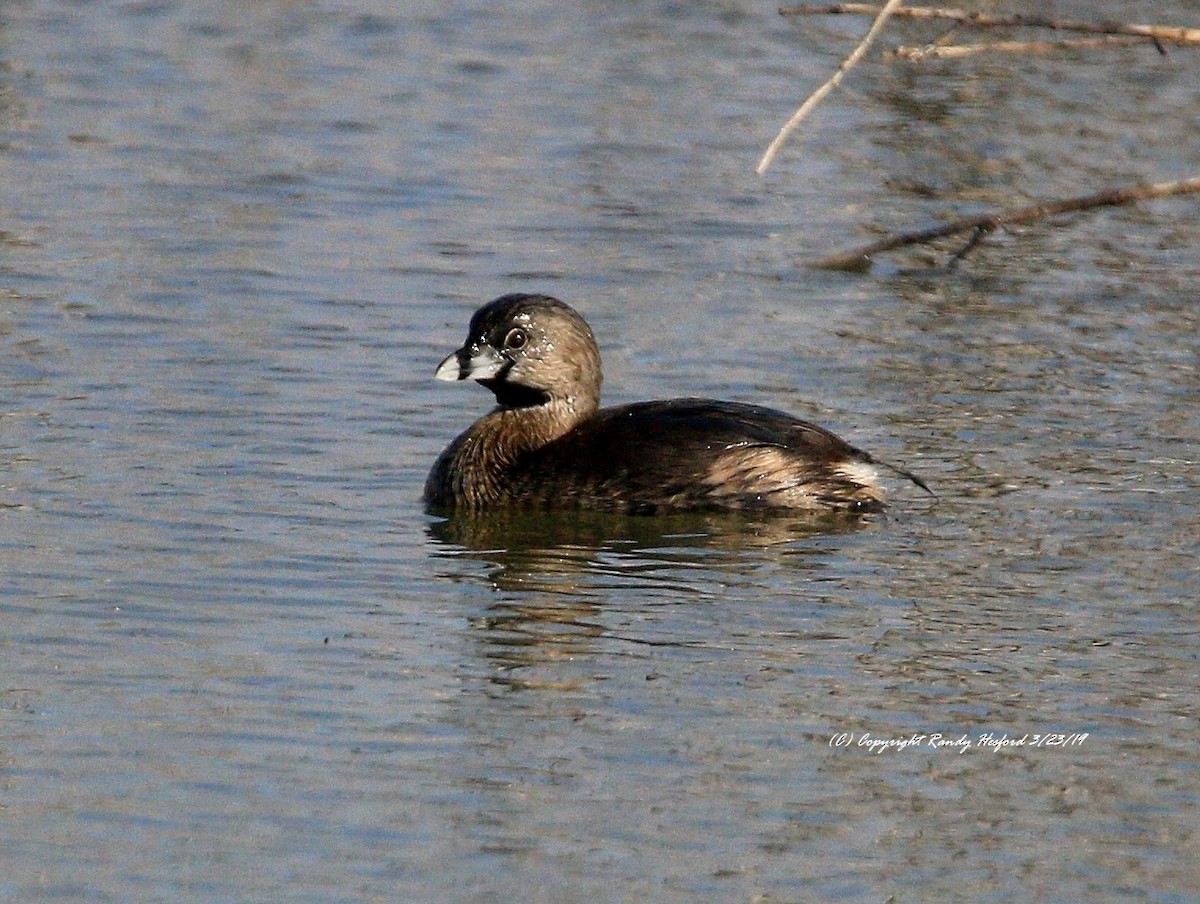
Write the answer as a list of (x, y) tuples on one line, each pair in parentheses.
[(548, 444)]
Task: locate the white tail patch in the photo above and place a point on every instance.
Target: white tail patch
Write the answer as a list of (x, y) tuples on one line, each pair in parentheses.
[(859, 471), (780, 477)]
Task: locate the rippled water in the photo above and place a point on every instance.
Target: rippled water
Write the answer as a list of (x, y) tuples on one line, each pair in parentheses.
[(239, 663)]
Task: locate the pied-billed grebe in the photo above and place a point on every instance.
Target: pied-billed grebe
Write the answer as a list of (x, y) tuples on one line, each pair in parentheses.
[(549, 444)]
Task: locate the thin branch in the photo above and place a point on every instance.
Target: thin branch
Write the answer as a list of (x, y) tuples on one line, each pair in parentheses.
[(977, 236), (1168, 33), (954, 51), (860, 258), (815, 98)]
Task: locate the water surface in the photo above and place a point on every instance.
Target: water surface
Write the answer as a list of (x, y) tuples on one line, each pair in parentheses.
[(239, 662)]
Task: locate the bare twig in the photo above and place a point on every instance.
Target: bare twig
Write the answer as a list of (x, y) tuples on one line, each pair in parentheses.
[(954, 51), (976, 236), (1168, 33), (860, 258), (815, 98)]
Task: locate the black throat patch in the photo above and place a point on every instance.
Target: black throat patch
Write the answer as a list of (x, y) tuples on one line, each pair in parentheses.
[(513, 395)]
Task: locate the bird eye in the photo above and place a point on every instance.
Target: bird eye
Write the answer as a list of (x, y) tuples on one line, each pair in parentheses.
[(516, 338)]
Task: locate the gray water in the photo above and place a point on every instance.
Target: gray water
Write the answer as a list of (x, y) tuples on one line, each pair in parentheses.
[(238, 662)]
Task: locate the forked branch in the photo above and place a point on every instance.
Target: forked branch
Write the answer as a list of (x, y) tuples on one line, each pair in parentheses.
[(1166, 33), (954, 51), (979, 226)]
